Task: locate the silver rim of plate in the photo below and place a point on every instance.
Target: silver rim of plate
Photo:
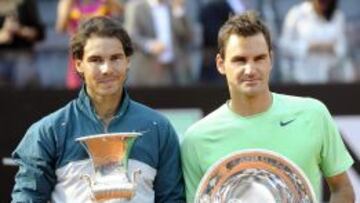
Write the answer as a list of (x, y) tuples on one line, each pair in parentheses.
[(254, 176)]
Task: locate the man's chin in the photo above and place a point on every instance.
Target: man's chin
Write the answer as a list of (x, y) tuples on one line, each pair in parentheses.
[(107, 91), (249, 91)]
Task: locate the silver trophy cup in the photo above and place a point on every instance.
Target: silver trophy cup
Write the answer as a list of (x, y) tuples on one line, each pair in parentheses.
[(109, 155)]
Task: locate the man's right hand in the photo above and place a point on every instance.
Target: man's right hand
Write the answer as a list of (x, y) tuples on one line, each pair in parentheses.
[(5, 37), (156, 47), (11, 24)]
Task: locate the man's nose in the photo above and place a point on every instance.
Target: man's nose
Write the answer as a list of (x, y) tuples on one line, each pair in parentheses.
[(249, 68), (106, 67)]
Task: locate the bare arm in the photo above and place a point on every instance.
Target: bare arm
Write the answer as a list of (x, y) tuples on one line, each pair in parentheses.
[(63, 11), (7, 30), (340, 188)]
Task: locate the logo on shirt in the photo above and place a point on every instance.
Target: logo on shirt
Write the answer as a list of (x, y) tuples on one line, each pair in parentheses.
[(285, 123)]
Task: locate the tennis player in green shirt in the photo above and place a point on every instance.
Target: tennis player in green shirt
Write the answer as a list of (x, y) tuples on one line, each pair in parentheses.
[(300, 129)]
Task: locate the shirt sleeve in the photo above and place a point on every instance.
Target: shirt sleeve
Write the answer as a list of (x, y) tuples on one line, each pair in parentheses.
[(36, 177), (169, 183), (191, 167), (335, 158)]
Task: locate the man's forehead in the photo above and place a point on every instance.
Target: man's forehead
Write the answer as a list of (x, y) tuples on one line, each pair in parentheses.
[(101, 39), (241, 38), (104, 45), (256, 41), (246, 44)]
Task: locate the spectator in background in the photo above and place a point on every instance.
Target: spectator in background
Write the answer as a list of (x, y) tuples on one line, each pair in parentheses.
[(313, 43), (71, 12), (20, 29), (161, 33)]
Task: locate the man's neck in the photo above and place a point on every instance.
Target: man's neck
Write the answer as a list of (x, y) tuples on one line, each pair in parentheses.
[(247, 105), (106, 107)]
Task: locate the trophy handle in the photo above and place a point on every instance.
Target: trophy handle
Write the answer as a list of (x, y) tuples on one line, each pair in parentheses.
[(135, 176), (87, 178)]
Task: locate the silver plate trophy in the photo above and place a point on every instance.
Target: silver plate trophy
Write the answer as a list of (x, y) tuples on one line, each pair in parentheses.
[(109, 155), (255, 176)]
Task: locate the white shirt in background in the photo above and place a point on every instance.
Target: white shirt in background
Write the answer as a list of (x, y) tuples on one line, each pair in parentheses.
[(303, 27)]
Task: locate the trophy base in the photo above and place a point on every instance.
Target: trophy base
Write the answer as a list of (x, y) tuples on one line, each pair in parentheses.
[(122, 191), (115, 194)]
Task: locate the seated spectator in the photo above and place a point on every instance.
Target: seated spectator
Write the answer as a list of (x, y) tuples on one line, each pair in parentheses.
[(20, 29), (313, 43)]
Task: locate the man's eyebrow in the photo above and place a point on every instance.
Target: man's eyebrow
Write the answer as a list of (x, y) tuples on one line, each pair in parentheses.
[(260, 56), (237, 57), (118, 54)]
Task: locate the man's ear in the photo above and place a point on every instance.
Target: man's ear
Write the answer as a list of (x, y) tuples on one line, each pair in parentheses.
[(128, 63), (220, 64), (272, 58), (78, 66)]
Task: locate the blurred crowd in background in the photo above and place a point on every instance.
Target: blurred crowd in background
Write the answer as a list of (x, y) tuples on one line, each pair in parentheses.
[(315, 41)]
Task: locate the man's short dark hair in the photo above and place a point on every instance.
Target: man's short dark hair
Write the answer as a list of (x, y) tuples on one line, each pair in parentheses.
[(245, 25), (102, 27)]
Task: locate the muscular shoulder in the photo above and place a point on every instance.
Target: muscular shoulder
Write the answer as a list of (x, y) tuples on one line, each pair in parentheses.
[(302, 104)]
